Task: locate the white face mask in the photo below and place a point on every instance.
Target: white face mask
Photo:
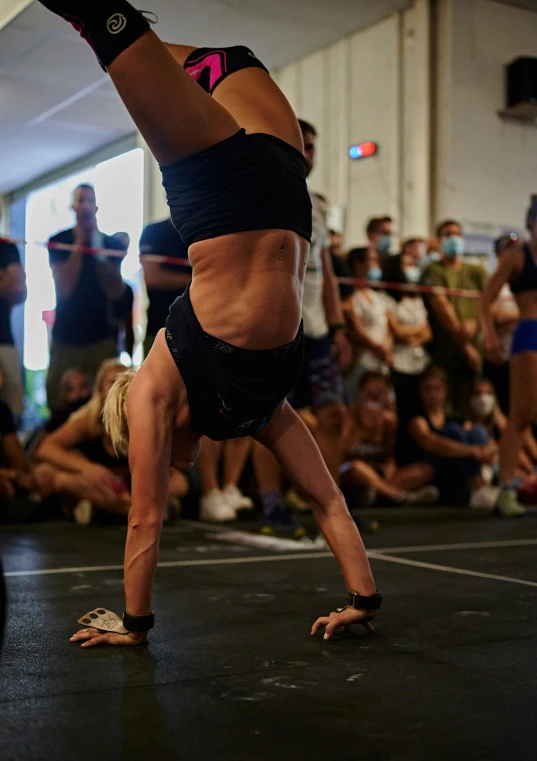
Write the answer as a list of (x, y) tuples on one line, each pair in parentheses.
[(483, 404)]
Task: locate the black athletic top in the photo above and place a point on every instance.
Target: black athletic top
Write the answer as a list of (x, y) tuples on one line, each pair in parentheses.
[(247, 182), (9, 254), (527, 280), (161, 238)]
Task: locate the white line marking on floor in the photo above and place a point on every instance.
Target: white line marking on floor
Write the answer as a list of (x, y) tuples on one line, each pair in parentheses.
[(301, 552), (246, 537), (269, 542), (449, 569), (459, 546), (173, 564)]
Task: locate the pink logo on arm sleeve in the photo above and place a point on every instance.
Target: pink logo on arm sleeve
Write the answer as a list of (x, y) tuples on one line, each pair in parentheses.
[(214, 61)]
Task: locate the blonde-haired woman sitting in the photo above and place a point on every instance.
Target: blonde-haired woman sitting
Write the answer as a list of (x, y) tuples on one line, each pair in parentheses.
[(78, 461)]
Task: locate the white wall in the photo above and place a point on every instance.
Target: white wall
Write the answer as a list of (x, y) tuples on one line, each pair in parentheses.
[(352, 92), (487, 166), (349, 92)]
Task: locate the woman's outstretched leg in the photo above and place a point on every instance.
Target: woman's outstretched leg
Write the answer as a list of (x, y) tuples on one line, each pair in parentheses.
[(251, 96), (175, 116)]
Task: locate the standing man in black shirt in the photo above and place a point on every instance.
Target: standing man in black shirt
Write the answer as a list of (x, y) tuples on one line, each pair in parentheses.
[(12, 291), (87, 285), (164, 282)]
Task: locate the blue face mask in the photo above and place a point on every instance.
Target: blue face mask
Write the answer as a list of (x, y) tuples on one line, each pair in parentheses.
[(385, 243), (412, 274), (429, 259), (453, 246), (374, 273)]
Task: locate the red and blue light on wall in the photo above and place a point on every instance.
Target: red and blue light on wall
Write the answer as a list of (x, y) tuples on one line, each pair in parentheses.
[(363, 150)]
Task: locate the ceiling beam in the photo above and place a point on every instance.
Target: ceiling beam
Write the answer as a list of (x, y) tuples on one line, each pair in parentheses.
[(11, 8)]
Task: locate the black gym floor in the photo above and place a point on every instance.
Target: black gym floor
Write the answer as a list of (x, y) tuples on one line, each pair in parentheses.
[(231, 673)]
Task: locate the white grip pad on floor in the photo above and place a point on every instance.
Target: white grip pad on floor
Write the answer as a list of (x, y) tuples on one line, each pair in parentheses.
[(104, 620)]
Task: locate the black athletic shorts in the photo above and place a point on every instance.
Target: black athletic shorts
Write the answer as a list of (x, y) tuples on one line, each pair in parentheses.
[(247, 182), (232, 392)]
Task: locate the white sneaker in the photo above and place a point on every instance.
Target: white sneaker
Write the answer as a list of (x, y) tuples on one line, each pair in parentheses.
[(485, 497), (83, 513), (236, 499), (215, 509), (427, 495)]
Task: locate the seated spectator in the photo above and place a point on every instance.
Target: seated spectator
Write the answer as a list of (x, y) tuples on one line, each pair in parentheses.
[(483, 409), (78, 461), (454, 319), (370, 441), (12, 292), (366, 311), (410, 330), (505, 314), (75, 391), (18, 490), (455, 452), (222, 503)]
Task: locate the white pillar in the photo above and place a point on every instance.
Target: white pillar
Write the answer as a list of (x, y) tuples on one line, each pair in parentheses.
[(155, 206), (443, 110), (415, 99)]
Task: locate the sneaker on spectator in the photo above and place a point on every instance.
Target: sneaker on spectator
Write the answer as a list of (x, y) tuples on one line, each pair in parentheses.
[(83, 513), (235, 499), (427, 495), (508, 505), (215, 509), (294, 499), (282, 523), (485, 497)]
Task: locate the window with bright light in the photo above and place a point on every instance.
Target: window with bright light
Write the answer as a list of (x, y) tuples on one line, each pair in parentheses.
[(118, 186)]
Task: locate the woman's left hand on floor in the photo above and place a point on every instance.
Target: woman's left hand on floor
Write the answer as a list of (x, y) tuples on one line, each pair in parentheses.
[(92, 636), (346, 618)]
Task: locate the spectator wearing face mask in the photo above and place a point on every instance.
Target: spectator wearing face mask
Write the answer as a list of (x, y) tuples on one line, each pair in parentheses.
[(483, 409), (410, 328), (75, 391), (454, 319), (369, 457), (380, 238), (366, 311), (455, 452)]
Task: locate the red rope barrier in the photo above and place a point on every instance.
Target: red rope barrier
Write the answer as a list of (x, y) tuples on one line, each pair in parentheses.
[(159, 259)]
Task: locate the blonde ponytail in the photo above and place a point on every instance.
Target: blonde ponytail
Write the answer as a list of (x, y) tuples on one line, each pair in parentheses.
[(115, 412)]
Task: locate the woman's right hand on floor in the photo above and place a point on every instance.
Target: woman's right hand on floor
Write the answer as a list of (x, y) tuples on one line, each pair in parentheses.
[(345, 618)]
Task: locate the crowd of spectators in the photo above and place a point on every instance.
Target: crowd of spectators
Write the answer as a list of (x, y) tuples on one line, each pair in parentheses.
[(396, 390)]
